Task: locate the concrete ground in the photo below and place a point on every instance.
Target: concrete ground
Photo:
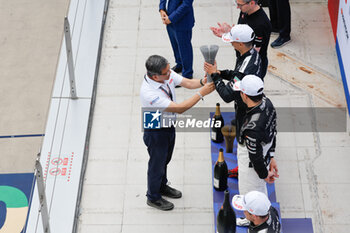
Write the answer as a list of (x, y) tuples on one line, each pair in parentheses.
[(314, 179), (30, 41)]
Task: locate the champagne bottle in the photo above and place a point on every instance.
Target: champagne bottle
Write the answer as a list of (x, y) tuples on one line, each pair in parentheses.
[(220, 172), (218, 123), (226, 219)]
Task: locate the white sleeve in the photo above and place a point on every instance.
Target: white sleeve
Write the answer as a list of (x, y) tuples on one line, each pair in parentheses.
[(176, 77), (157, 101)]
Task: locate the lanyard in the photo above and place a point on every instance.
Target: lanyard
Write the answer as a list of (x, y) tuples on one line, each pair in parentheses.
[(169, 94)]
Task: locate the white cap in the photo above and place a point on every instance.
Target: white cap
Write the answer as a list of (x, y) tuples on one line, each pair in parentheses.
[(239, 33), (250, 85), (254, 202)]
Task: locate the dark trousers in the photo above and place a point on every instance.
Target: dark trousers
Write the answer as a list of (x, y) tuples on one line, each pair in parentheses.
[(182, 47), (264, 65), (280, 16), (160, 145)]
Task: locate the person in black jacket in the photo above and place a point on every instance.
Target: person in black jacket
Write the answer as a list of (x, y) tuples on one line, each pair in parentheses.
[(241, 37), (249, 62), (257, 139), (253, 15), (261, 215)]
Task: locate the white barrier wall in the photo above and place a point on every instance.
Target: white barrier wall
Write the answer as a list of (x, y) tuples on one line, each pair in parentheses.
[(62, 153)]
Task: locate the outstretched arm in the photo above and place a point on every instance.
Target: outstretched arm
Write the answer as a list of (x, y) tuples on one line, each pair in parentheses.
[(193, 83), (189, 103)]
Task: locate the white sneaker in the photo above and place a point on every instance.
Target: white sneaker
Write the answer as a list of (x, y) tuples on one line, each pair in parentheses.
[(242, 222)]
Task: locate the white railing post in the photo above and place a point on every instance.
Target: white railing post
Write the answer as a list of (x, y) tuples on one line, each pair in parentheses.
[(42, 196), (68, 39)]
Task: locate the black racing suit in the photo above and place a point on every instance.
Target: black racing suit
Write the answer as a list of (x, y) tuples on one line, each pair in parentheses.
[(258, 132), (272, 224), (248, 63)]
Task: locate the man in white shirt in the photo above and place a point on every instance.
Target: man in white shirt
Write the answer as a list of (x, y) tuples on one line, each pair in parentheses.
[(158, 92)]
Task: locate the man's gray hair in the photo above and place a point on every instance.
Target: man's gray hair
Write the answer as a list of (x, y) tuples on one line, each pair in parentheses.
[(155, 64)]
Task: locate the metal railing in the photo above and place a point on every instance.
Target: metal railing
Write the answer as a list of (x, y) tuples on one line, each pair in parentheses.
[(68, 39), (38, 167), (42, 195)]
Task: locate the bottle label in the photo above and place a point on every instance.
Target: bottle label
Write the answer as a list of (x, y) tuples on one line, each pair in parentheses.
[(216, 183), (213, 135)]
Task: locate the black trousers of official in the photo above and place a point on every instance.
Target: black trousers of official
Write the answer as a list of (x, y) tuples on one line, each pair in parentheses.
[(264, 66), (280, 16), (160, 145)]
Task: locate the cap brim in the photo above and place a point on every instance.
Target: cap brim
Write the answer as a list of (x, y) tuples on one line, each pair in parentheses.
[(237, 202), (226, 38)]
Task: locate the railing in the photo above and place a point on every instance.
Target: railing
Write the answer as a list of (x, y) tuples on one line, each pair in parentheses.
[(39, 174), (68, 39), (60, 166), (42, 195)]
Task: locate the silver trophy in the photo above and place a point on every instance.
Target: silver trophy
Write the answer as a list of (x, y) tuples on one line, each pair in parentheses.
[(209, 53)]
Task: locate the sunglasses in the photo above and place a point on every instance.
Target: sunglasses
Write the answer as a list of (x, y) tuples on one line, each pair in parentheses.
[(241, 5)]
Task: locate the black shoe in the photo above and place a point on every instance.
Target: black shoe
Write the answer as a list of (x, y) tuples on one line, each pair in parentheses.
[(280, 41), (177, 69), (178, 86), (170, 192), (161, 204)]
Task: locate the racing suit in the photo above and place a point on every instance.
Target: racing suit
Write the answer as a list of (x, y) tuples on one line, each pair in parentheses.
[(248, 63), (256, 146), (272, 224)]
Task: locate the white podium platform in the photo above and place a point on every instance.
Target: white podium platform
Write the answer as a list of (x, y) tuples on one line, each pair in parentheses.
[(63, 149)]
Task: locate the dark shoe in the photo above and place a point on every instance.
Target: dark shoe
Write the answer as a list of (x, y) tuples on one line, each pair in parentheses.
[(177, 69), (170, 192), (280, 41), (161, 204), (178, 86)]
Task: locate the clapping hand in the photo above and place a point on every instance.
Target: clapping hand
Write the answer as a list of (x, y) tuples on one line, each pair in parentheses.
[(222, 29)]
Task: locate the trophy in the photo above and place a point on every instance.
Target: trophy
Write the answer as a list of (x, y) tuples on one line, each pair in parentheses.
[(209, 53)]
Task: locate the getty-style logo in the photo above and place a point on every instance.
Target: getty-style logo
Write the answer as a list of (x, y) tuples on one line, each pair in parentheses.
[(152, 119)]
